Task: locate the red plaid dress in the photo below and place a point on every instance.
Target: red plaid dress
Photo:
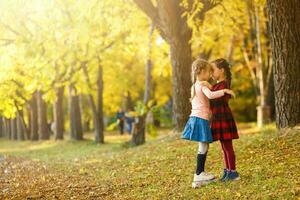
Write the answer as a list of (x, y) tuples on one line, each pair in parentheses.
[(222, 123)]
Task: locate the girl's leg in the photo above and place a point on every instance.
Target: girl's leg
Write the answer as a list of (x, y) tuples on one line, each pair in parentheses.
[(230, 153), (201, 157), (226, 159)]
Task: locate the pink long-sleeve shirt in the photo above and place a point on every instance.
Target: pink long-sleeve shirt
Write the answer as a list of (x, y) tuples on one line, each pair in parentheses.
[(200, 102)]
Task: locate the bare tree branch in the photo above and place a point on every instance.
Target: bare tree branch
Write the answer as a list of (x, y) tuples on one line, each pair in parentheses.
[(152, 12), (7, 41), (10, 28)]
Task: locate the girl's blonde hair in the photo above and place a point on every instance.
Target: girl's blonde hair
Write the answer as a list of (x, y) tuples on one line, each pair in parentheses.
[(197, 66)]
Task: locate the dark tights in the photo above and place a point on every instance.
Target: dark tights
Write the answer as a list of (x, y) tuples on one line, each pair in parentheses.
[(229, 155)]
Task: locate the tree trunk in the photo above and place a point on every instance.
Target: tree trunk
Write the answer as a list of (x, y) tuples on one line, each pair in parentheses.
[(231, 47), (82, 106), (34, 118), (138, 135), (97, 114), (271, 98), (263, 110), (96, 121), (181, 58), (284, 24), (148, 67), (86, 125), (148, 78), (28, 134), (75, 115), (1, 127), (127, 102), (14, 133), (20, 128), (8, 128), (139, 131), (168, 17), (43, 130), (100, 102), (23, 126), (59, 114)]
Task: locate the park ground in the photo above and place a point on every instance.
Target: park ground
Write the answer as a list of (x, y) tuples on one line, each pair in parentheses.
[(161, 169)]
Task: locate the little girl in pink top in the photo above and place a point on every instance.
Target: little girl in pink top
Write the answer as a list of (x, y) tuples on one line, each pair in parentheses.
[(197, 128)]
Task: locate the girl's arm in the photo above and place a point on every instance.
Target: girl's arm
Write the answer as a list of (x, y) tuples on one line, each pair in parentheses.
[(216, 94), (212, 95), (207, 84)]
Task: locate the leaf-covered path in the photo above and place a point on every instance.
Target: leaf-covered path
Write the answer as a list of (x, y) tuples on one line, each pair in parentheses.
[(27, 179), (268, 164)]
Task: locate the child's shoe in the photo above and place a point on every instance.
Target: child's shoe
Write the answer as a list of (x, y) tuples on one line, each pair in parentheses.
[(224, 175), (202, 179), (232, 176)]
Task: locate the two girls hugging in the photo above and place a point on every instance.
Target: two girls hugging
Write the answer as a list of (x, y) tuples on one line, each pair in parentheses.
[(211, 101)]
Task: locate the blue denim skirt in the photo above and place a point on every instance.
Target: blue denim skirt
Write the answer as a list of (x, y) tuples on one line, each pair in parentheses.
[(197, 129)]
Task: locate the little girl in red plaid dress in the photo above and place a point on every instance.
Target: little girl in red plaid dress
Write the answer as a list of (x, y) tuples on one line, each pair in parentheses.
[(222, 123)]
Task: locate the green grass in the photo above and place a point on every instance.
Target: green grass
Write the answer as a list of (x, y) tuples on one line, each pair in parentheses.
[(161, 169), (65, 150), (51, 151)]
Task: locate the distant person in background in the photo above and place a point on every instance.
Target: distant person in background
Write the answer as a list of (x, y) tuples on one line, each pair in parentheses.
[(121, 118), (129, 118)]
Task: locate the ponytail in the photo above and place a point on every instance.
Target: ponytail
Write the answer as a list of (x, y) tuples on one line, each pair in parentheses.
[(193, 89)]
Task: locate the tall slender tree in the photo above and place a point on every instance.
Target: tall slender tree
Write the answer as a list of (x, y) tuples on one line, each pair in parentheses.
[(76, 132), (170, 18), (43, 130)]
